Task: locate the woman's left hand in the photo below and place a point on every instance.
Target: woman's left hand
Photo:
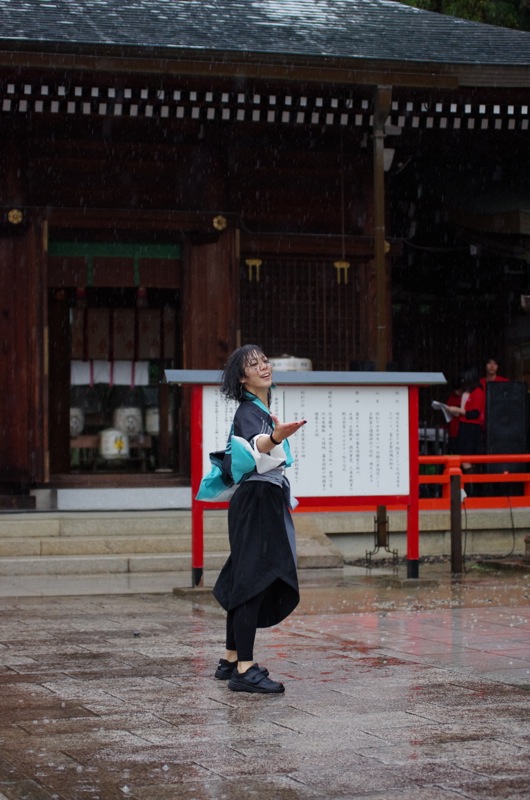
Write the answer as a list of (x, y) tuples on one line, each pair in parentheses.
[(282, 430)]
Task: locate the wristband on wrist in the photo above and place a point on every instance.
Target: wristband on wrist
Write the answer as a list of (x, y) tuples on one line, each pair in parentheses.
[(273, 440)]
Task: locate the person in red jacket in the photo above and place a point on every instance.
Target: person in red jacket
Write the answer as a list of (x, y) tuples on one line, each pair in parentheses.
[(491, 376), (492, 372)]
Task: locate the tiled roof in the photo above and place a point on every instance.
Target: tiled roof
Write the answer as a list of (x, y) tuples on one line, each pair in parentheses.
[(352, 29)]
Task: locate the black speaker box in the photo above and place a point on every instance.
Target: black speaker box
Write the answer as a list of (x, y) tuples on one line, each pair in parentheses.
[(506, 417), (507, 411)]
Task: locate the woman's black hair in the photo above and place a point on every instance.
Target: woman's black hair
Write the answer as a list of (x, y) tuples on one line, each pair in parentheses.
[(234, 370), (469, 379)]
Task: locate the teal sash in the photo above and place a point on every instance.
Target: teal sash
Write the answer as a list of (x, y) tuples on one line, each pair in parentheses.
[(220, 484)]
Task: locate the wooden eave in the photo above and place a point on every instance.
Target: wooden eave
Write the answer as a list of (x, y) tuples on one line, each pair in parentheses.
[(227, 65), (276, 244), (216, 66), (130, 219)]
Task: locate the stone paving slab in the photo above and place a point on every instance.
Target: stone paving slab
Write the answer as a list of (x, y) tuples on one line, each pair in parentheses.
[(391, 692)]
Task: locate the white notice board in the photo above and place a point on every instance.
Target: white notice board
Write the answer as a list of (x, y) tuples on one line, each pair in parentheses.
[(355, 443)]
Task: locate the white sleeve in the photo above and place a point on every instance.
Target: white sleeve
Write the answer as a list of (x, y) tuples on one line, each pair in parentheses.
[(264, 461)]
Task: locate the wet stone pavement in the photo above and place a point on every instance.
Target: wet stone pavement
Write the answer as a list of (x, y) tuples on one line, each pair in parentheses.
[(393, 691)]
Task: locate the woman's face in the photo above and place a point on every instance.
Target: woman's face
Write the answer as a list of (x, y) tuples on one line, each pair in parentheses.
[(257, 373), (492, 368)]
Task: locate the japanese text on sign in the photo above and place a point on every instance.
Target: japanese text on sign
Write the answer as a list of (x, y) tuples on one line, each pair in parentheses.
[(355, 443)]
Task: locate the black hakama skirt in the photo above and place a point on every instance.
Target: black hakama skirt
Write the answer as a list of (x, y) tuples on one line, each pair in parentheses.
[(262, 556)]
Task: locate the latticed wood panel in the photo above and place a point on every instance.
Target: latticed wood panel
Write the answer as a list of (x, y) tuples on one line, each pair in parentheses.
[(447, 335), (123, 333), (299, 307)]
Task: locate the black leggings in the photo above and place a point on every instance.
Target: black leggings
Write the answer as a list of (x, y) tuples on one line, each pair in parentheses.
[(241, 624)]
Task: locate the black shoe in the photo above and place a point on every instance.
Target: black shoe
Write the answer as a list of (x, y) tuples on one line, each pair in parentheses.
[(254, 680), (226, 668)]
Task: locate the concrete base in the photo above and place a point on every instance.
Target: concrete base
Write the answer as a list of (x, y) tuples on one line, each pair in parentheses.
[(133, 499), (314, 547), (484, 532)]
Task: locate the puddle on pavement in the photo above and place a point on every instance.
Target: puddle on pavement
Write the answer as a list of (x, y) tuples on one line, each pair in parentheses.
[(357, 589)]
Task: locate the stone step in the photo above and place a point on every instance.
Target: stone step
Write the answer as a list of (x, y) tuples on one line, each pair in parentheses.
[(110, 544), (106, 534), (139, 562), (85, 543), (106, 564), (42, 525), (96, 543)]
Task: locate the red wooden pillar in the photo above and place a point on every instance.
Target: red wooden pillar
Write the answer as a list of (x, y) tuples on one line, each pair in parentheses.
[(413, 523), (197, 516)]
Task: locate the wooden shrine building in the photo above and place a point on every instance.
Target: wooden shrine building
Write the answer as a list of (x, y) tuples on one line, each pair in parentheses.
[(344, 181)]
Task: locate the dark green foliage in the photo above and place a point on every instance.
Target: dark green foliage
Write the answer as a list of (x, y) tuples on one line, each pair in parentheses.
[(506, 13)]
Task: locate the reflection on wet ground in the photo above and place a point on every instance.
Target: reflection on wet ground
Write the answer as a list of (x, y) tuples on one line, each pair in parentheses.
[(386, 589), (394, 689)]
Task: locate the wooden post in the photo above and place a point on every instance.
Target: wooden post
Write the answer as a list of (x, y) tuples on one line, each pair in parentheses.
[(164, 443), (456, 520), (382, 104), (381, 527)]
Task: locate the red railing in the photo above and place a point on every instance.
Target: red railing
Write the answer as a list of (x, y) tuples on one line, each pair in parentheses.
[(495, 490), (486, 486)]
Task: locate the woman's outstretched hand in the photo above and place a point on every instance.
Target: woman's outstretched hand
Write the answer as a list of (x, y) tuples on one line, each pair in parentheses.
[(282, 430)]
